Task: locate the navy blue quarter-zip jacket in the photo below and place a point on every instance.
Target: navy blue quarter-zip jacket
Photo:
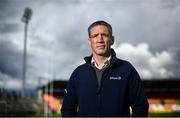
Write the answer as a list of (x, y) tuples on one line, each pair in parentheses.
[(120, 89)]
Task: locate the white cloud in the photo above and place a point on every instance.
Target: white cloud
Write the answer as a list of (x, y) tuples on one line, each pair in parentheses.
[(149, 65)]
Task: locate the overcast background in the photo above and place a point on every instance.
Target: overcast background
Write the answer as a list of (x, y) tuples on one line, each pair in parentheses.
[(146, 32)]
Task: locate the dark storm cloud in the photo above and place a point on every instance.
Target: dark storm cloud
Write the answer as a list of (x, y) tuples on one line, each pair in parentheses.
[(10, 9), (57, 35), (170, 4), (155, 22), (10, 59), (9, 28), (175, 65), (176, 54)]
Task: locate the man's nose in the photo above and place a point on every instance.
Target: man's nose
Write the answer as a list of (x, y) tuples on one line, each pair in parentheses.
[(100, 38)]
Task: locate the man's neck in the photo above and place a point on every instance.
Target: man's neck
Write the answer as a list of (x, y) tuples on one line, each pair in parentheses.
[(100, 60)]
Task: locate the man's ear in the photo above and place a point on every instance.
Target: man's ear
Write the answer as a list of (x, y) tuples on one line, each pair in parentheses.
[(112, 40)]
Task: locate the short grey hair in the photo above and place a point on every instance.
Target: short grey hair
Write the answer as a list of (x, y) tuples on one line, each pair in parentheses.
[(100, 22)]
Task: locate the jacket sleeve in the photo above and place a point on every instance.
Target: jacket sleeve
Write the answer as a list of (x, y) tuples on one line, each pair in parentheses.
[(69, 106), (137, 97)]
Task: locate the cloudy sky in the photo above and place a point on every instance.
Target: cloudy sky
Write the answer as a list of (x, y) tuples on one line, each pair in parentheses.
[(147, 34)]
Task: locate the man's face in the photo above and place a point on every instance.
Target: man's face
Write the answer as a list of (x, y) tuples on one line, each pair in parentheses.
[(100, 40)]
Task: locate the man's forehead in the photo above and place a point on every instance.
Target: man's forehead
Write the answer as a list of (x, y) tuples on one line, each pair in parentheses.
[(99, 28)]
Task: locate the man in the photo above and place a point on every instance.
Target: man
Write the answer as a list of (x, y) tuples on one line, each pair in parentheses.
[(104, 85)]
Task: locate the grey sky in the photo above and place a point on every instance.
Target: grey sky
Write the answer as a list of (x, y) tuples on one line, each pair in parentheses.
[(146, 31)]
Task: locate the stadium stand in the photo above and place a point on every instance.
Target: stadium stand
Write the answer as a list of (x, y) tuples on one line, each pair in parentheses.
[(163, 95), (14, 105)]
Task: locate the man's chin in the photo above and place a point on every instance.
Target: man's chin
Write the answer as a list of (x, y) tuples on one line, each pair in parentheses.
[(102, 53)]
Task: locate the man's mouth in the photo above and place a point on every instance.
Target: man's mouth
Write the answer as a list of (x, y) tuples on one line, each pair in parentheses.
[(100, 47)]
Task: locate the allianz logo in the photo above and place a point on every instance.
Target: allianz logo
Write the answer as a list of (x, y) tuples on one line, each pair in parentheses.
[(116, 78)]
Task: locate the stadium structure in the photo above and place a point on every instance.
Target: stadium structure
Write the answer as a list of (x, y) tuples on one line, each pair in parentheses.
[(163, 96), (13, 104)]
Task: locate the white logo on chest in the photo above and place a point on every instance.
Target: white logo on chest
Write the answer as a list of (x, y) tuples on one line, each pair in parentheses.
[(115, 78)]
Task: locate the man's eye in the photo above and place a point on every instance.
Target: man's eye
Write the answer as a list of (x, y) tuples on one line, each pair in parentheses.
[(93, 36), (106, 35)]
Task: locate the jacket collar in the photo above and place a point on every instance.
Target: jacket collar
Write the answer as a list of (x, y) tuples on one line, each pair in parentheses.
[(112, 60)]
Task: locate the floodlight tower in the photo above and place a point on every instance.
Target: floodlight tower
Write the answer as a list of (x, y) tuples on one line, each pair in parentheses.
[(25, 19)]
